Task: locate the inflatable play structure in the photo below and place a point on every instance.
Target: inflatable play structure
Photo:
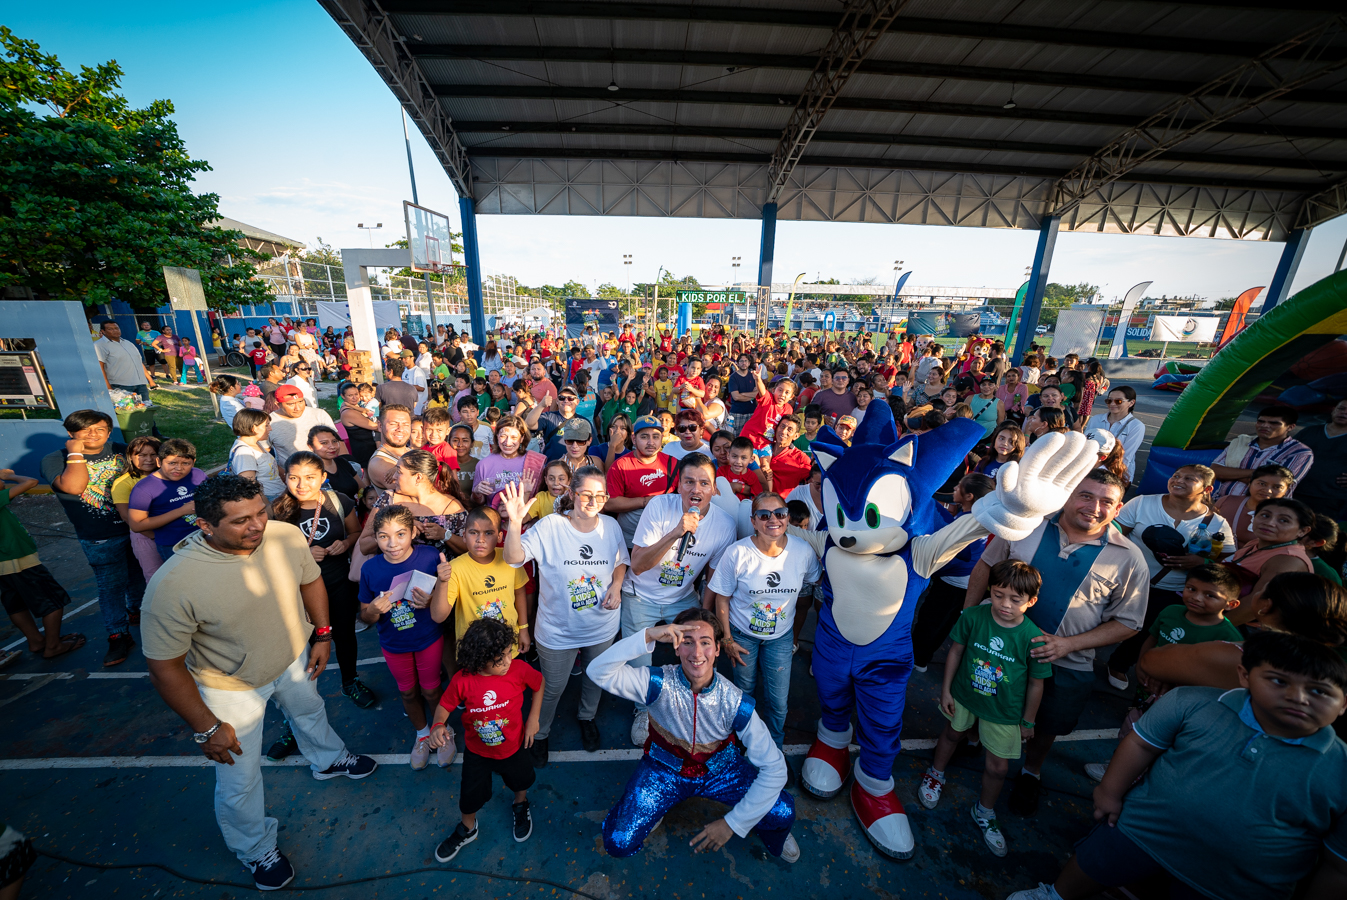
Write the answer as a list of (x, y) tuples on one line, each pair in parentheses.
[(1174, 376), (1302, 333)]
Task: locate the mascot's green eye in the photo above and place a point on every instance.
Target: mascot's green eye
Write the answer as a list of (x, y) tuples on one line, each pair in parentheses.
[(841, 519), (872, 515)]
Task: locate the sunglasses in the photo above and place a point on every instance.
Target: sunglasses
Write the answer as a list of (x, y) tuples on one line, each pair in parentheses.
[(766, 515), (1112, 402), (686, 429)]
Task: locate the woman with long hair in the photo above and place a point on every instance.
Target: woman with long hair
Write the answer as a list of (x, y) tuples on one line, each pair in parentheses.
[(509, 462), (619, 440), (712, 406), (491, 359), (1279, 525), (1013, 395), (344, 475), (1007, 445), (582, 561), (361, 428), (142, 458), (432, 494), (328, 521), (1093, 384)]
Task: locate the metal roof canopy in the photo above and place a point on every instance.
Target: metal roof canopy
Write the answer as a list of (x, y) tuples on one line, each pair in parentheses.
[(1204, 119)]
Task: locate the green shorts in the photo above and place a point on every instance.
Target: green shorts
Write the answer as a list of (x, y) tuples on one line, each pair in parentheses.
[(999, 740)]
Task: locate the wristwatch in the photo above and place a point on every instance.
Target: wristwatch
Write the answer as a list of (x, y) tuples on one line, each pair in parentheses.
[(202, 736)]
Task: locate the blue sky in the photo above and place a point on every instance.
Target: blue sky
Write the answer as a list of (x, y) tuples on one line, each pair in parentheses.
[(305, 140)]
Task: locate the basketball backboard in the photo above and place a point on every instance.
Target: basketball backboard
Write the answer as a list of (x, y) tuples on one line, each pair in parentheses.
[(429, 238)]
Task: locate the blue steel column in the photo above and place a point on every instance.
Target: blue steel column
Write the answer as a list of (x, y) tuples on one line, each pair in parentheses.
[(1280, 288), (476, 312), (767, 250), (1038, 283)]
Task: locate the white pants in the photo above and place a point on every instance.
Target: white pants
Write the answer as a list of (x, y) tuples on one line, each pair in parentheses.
[(240, 806)]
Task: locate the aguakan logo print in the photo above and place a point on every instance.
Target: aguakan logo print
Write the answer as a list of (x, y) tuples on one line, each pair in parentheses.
[(773, 579), (488, 698), (997, 644), (586, 551), (489, 581)]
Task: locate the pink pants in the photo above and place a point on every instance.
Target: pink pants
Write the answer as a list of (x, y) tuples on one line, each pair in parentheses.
[(147, 554), (423, 665)]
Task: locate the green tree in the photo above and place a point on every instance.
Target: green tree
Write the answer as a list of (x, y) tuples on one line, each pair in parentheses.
[(1057, 297), (95, 197), (574, 289)]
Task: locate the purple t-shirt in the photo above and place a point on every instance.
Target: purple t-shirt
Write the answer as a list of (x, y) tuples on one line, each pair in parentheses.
[(402, 629), (155, 496), (495, 472), (834, 404)]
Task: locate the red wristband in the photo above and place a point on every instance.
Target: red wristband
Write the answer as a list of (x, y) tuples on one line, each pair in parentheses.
[(323, 630)]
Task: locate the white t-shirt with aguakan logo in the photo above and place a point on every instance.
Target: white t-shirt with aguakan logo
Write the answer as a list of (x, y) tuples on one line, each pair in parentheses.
[(763, 589), (574, 572), (672, 579)]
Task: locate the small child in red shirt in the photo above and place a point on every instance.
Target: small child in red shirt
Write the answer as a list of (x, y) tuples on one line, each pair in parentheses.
[(746, 482), (689, 388), (496, 736), (436, 425)]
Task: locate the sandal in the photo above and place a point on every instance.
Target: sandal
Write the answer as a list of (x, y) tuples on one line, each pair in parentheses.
[(9, 657), (69, 643)]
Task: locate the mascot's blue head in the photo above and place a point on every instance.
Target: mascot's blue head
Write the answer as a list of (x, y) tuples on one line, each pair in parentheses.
[(879, 492)]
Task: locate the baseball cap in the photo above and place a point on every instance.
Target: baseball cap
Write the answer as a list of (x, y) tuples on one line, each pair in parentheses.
[(569, 390), (847, 420), (288, 392), (576, 429), (640, 424), (409, 354)]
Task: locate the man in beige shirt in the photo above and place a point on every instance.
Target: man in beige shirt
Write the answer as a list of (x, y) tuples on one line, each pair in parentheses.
[(1095, 584), (226, 626)]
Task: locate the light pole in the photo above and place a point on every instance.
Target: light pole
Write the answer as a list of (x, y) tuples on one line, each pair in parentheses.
[(734, 269), (369, 229), (626, 267)]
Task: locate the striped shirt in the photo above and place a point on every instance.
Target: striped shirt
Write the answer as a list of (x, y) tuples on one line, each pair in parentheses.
[(1290, 453)]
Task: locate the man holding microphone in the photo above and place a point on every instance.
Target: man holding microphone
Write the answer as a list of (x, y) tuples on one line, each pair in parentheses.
[(679, 536)]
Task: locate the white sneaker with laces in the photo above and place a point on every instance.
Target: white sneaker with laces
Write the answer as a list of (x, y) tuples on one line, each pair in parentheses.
[(991, 832), (640, 728), (790, 851), (444, 756), (361, 625), (1096, 771), (1042, 892), (928, 792), (1119, 683), (420, 756)]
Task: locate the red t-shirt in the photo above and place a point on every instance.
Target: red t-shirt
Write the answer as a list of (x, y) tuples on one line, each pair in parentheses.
[(790, 468), (629, 477), (761, 426), (682, 381), (752, 486), (666, 344), (259, 356), (493, 714), (447, 455)]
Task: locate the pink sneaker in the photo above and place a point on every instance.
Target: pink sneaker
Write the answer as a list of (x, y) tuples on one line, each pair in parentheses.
[(421, 753), (444, 757)]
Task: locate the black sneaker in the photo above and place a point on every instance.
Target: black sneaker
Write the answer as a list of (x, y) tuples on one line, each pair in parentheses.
[(1024, 795), (349, 766), (284, 745), (539, 753), (523, 822), (272, 872), (450, 846), (589, 735), (360, 695), (119, 648), (133, 617)]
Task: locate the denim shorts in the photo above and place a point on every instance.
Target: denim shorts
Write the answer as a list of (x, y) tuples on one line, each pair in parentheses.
[(1064, 697), (1111, 858)]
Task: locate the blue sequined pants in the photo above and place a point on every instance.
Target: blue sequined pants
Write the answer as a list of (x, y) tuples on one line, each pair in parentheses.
[(656, 788)]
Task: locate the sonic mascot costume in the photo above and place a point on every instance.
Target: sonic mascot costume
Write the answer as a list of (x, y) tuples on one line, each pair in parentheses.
[(883, 542)]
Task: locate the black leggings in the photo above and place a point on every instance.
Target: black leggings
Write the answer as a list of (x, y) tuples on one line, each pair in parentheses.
[(343, 602), (941, 606)]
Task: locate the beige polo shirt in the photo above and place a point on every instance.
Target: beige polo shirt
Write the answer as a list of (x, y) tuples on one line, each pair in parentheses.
[(239, 619), (1116, 587)]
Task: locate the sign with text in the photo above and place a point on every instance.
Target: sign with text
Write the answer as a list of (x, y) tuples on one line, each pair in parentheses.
[(711, 296)]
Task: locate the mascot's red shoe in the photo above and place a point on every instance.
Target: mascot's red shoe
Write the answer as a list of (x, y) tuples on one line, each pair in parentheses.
[(825, 770), (884, 821)]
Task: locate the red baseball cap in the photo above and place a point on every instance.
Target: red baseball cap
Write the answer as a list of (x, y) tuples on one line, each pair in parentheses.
[(288, 392)]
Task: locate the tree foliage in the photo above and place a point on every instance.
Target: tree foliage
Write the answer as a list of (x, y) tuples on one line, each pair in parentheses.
[(1057, 297), (95, 196)]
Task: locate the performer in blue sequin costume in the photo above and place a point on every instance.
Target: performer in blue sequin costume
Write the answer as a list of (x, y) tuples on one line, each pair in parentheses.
[(698, 722)]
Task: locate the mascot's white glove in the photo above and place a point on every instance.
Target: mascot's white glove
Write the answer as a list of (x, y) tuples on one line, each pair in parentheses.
[(1036, 486)]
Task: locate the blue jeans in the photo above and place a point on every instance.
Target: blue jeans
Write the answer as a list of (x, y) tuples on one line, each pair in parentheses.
[(142, 389), (121, 583), (638, 615), (774, 657)]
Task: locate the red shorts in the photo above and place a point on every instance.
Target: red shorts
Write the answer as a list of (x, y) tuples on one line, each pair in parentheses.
[(423, 665)]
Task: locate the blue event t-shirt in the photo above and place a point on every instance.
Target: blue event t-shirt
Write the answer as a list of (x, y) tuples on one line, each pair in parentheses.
[(744, 384), (157, 496), (402, 629)]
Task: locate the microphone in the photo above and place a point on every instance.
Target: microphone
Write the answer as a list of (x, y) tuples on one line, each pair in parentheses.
[(687, 536)]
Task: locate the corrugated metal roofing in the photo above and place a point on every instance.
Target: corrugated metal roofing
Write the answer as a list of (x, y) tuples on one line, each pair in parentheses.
[(722, 77)]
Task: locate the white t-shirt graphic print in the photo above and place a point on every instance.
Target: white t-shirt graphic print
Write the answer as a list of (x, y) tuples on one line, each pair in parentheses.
[(673, 579), (574, 571), (763, 589)]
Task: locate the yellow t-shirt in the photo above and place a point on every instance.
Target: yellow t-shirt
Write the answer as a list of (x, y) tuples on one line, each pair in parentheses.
[(477, 591), (544, 504), (664, 394), (121, 488)]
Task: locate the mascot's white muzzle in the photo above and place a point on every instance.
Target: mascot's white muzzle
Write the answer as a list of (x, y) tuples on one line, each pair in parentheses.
[(869, 540)]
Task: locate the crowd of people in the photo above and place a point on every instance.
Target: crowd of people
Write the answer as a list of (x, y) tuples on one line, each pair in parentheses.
[(542, 508)]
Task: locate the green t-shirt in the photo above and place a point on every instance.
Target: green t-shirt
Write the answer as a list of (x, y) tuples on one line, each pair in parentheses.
[(1172, 627), (1324, 570), (442, 372), (15, 541), (994, 672), (802, 443)]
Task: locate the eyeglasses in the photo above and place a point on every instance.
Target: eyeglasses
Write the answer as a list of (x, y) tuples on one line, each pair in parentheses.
[(766, 515), (1111, 402), (687, 429), (592, 497), (568, 399)]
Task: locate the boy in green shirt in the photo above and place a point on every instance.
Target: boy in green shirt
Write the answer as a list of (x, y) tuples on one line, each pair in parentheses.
[(1209, 593), (991, 682), (27, 589)]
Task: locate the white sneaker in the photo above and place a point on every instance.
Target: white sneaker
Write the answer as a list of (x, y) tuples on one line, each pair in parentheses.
[(361, 625), (421, 753), (444, 756), (916, 668), (928, 792), (790, 851), (1096, 771), (991, 832), (1042, 892), (640, 728), (1119, 683)]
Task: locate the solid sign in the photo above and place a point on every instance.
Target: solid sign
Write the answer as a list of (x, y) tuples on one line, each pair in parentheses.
[(184, 289), (711, 296)]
